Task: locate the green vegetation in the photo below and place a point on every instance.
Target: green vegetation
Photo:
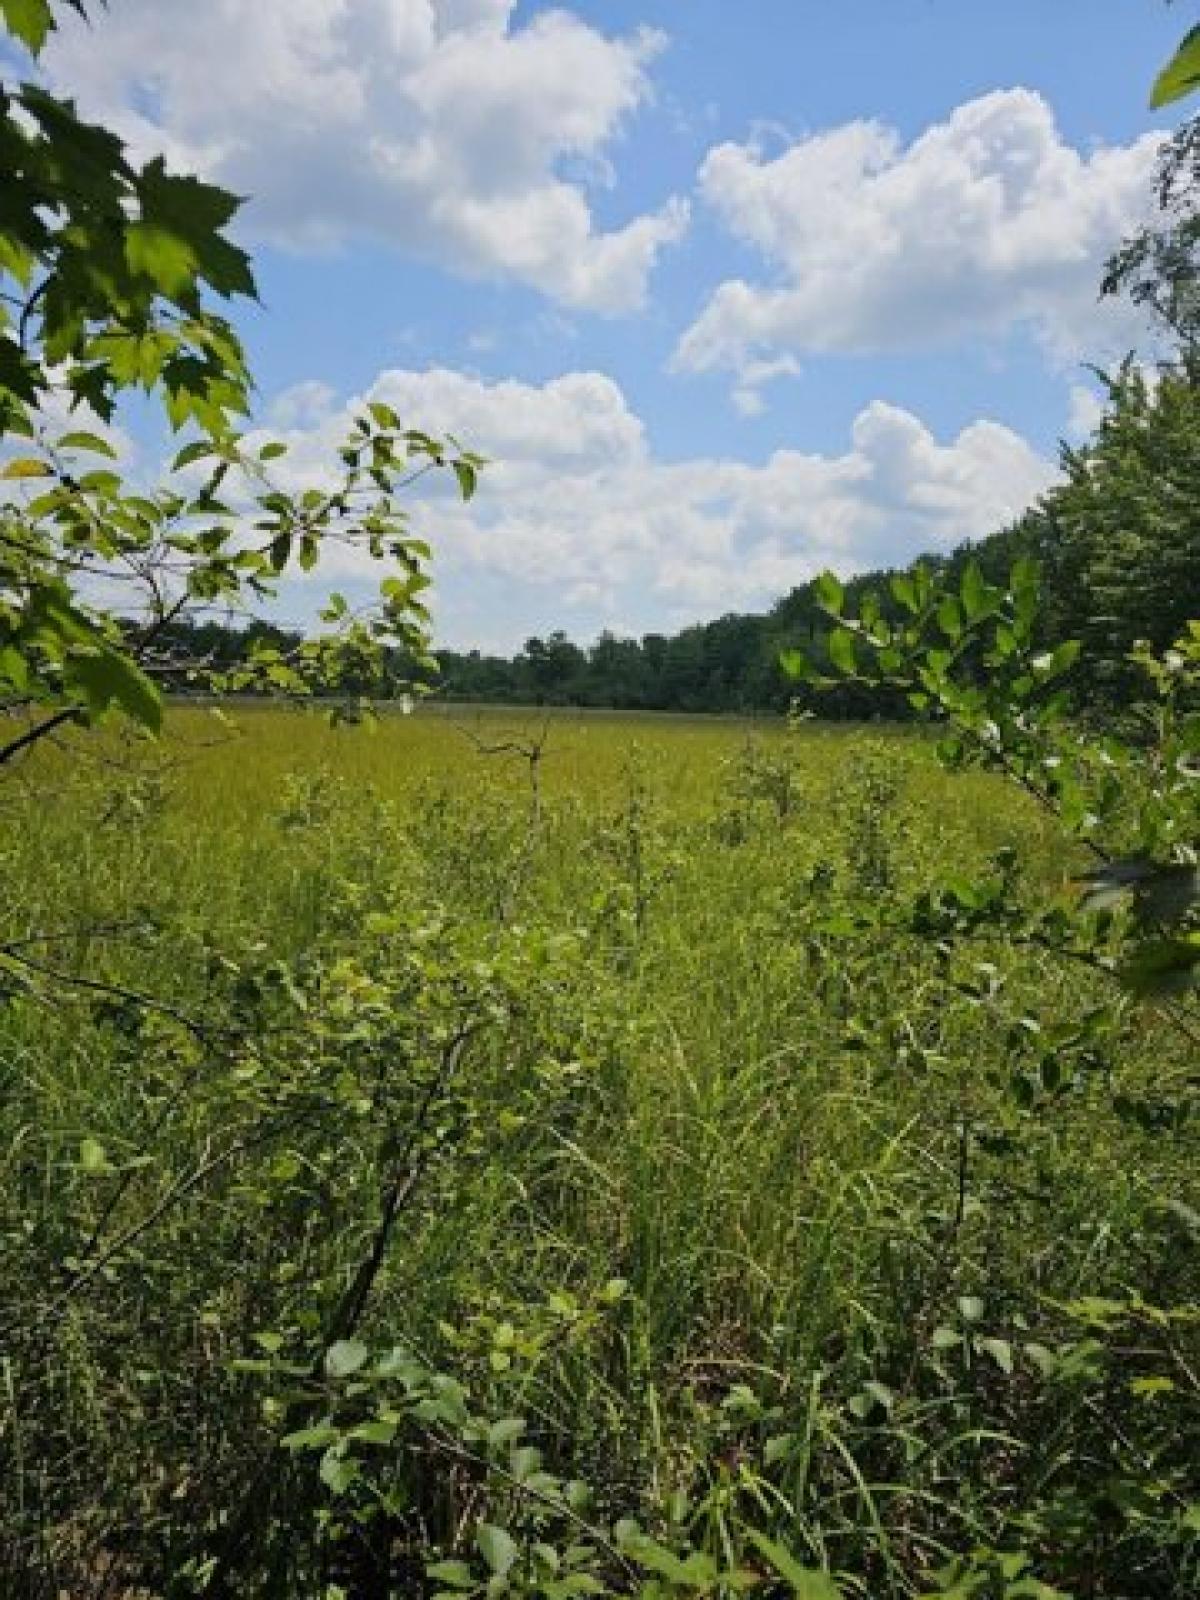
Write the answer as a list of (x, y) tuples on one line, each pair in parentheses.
[(575, 1155), (766, 1223), (1117, 542), (107, 271)]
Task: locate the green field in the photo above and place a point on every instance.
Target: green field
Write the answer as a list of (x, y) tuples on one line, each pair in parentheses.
[(728, 1198)]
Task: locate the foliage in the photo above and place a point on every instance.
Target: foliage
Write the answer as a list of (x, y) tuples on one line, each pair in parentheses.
[(1157, 267), (598, 1158), (813, 1207), (106, 271), (1181, 75), (971, 657), (106, 265), (1116, 539)]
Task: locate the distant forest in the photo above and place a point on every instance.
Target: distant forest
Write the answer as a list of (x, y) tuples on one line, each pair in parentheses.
[(1117, 541)]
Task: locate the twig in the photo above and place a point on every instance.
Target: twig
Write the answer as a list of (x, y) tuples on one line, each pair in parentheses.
[(184, 1186), (115, 991), (533, 752), (38, 731), (406, 1174)]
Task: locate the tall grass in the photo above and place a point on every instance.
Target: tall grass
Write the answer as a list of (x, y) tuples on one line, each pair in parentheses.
[(791, 1141)]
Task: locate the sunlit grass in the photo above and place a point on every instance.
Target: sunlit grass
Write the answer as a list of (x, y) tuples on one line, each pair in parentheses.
[(703, 1087)]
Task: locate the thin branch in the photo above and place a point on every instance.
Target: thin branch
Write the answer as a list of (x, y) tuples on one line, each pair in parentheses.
[(406, 1174), (38, 731), (99, 930), (184, 1186), (116, 991)]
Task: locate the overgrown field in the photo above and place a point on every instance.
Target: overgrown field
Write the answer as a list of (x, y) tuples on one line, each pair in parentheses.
[(544, 1127)]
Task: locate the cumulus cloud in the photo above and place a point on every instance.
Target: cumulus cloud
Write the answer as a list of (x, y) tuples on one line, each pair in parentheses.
[(443, 127), (988, 222), (577, 523), (754, 376)]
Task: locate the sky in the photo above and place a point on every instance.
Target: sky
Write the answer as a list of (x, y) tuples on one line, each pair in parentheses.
[(727, 294)]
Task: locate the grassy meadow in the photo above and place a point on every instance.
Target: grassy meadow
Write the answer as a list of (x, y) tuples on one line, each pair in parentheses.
[(726, 1194)]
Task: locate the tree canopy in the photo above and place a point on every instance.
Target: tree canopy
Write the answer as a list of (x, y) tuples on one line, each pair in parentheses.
[(111, 274)]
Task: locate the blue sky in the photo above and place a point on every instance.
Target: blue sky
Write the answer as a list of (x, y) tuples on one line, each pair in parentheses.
[(729, 293)]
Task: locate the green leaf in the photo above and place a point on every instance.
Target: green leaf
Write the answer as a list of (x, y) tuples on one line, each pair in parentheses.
[(524, 1463), (193, 213), (1149, 1388), (92, 1157), (1000, 1351), (272, 451), (456, 1573), (14, 668), (344, 1357), (796, 665), (107, 678), (198, 450), (829, 593), (1053, 663), (337, 1472), (87, 441), (383, 415), (467, 476), (949, 618), (840, 645), (379, 1431), (164, 258), (971, 1308), (697, 1571), (1180, 75), (28, 20), (808, 1583), (1163, 967), (1024, 575), (506, 1430), (26, 467), (974, 593), (497, 1547), (880, 1393)]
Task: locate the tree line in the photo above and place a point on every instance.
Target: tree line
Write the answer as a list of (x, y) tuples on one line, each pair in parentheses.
[(1117, 542)]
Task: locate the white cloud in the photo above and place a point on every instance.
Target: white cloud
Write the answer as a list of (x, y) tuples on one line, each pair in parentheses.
[(1085, 408), (303, 404), (753, 378), (440, 126), (986, 223), (576, 523)]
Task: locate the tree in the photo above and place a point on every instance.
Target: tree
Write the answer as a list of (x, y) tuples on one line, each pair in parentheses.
[(108, 272), (616, 672), (552, 664), (1159, 266), (1121, 536)]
